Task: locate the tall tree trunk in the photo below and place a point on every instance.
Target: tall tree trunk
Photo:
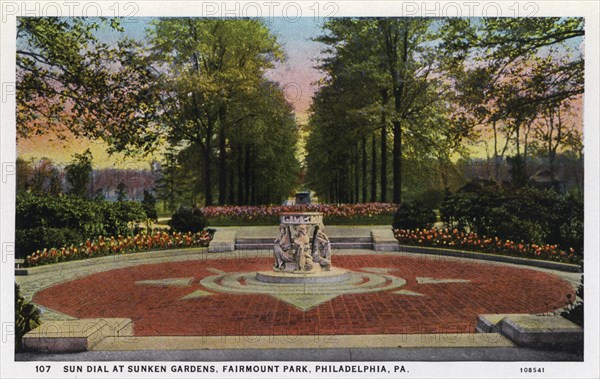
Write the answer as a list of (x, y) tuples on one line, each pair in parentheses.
[(240, 176), (373, 168), (208, 163), (526, 145), (253, 183), (231, 185), (335, 197), (384, 181), (552, 148), (443, 164), (518, 137), (269, 195), (247, 175), (172, 193), (222, 155), (364, 169), (397, 162), (349, 185), (356, 196), (345, 187), (398, 80), (496, 161)]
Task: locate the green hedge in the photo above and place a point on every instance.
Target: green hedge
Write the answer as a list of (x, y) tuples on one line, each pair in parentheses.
[(44, 221), (187, 219), (526, 214), (413, 215)]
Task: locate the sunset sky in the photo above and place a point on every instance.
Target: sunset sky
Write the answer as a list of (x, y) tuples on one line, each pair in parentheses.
[(296, 75)]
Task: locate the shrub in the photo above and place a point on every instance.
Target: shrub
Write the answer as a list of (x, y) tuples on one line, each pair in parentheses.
[(30, 240), (27, 317), (574, 310), (149, 205), (188, 219), (413, 215), (43, 221), (570, 231), (432, 198), (528, 215), (470, 206), (571, 234), (509, 226), (119, 216), (57, 212)]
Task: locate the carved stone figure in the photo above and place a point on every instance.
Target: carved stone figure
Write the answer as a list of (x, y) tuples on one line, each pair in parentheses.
[(283, 251), (302, 246), (322, 249), (295, 251)]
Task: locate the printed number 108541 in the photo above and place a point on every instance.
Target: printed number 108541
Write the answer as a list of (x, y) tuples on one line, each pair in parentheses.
[(531, 370)]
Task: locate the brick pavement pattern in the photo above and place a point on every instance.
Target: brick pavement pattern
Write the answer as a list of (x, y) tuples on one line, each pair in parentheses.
[(447, 307)]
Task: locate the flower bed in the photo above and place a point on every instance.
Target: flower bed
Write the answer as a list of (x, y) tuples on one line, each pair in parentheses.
[(267, 212), (120, 245), (455, 239)]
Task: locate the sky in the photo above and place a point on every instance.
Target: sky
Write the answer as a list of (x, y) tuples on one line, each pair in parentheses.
[(296, 75)]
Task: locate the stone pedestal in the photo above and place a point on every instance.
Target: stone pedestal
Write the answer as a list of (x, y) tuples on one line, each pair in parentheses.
[(334, 275)]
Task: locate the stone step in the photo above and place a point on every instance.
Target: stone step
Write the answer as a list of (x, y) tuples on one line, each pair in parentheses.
[(76, 335), (352, 245), (247, 240), (383, 240), (334, 245), (350, 239), (263, 243), (282, 342), (223, 241), (254, 246), (537, 331)]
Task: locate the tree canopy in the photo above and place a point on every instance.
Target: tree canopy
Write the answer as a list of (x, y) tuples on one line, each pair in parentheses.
[(401, 102), (68, 80)]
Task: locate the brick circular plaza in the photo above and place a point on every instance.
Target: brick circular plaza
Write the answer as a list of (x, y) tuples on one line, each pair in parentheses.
[(387, 295)]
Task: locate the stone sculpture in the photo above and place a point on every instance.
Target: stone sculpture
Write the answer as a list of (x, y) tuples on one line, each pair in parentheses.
[(283, 251), (294, 251)]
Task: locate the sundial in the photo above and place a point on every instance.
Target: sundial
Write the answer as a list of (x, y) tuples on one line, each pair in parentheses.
[(303, 273)]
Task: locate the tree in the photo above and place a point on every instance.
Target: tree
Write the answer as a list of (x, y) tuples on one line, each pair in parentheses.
[(24, 174), (121, 192), (509, 72), (55, 185), (334, 144), (42, 174), (149, 205), (170, 185), (264, 166), (79, 174), (353, 66), (403, 41), (380, 73), (99, 195), (215, 68), (557, 121), (69, 80)]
